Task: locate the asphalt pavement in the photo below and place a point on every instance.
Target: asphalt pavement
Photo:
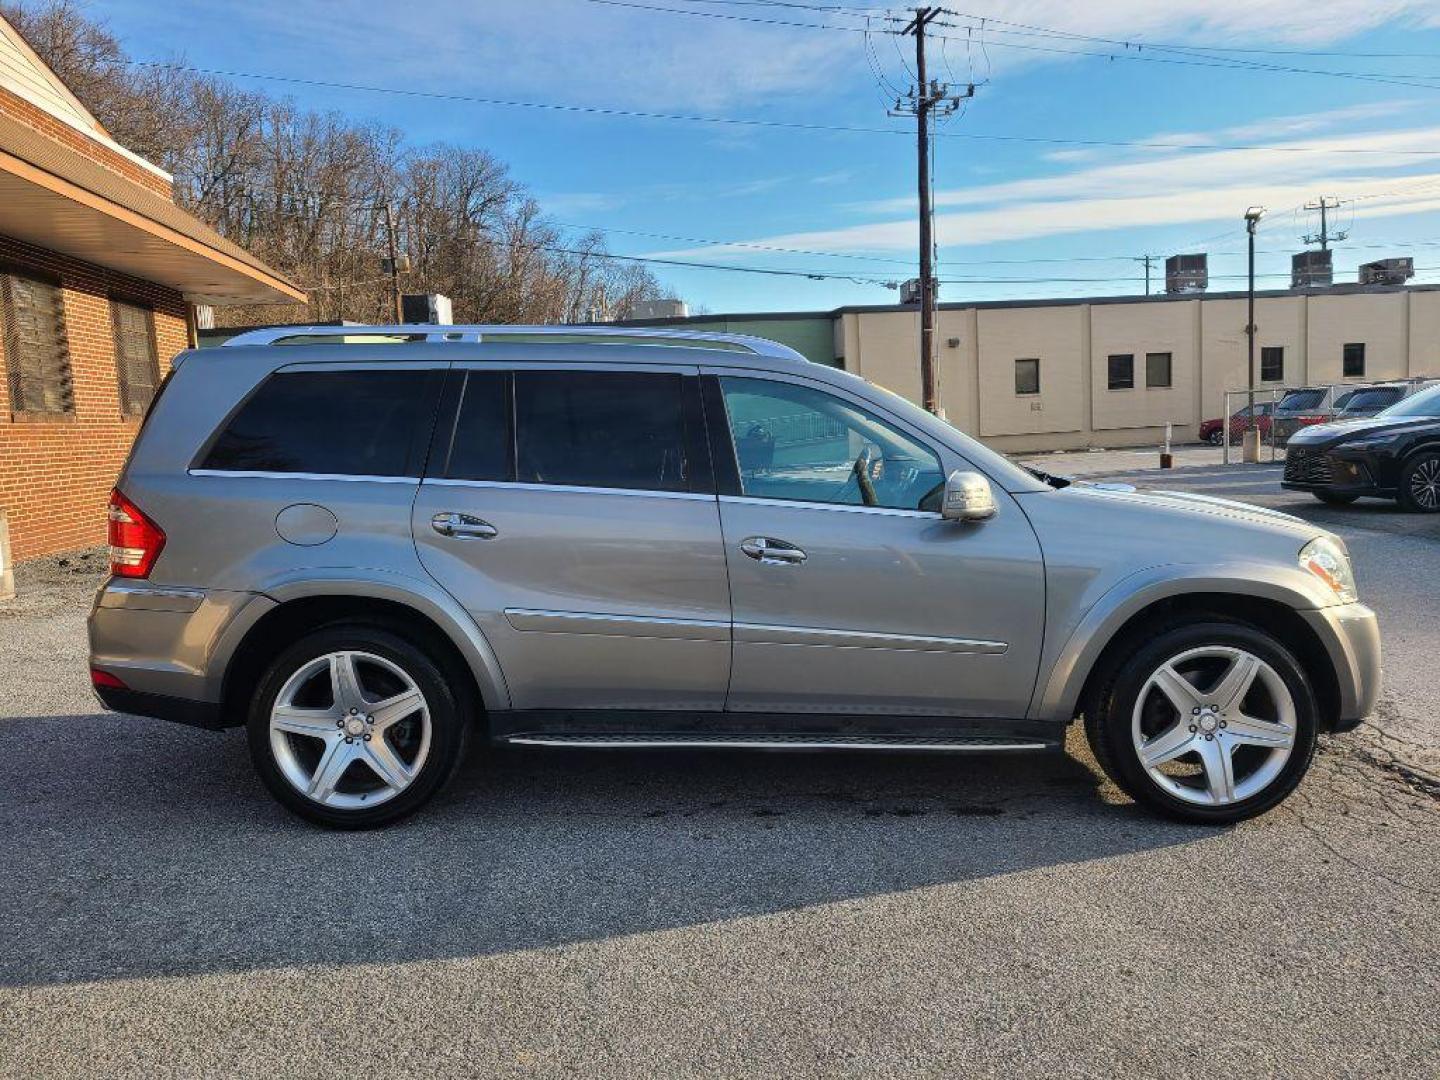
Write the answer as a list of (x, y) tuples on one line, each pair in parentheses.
[(688, 914)]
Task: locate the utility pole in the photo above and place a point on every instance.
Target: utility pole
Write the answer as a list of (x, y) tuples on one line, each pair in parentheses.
[(1324, 236), (394, 264), (1250, 450), (924, 100), (1147, 260)]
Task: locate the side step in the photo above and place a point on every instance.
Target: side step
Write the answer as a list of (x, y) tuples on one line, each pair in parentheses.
[(953, 744)]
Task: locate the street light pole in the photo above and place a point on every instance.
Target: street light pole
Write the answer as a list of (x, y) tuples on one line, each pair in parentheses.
[(1250, 450)]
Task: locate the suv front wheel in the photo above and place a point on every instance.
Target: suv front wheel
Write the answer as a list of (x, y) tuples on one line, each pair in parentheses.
[(353, 727), (1210, 722)]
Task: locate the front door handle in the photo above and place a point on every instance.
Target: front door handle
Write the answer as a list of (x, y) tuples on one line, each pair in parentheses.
[(771, 552), (463, 526)]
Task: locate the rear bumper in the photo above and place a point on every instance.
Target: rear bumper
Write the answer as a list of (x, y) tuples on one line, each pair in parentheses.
[(168, 646), (201, 714), (1351, 636)]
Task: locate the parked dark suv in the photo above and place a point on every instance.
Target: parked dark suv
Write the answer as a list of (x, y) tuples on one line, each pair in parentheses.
[(1394, 455)]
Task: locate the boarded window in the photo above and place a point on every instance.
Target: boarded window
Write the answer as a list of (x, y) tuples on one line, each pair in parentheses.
[(1121, 371), (1157, 369), (1272, 363), (36, 353), (136, 365), (1027, 376)]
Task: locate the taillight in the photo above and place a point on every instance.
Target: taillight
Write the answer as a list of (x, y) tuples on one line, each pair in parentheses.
[(105, 680), (135, 540), (1311, 419)]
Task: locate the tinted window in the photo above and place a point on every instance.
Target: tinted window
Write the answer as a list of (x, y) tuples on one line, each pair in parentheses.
[(795, 442), (1027, 376), (1425, 403), (1373, 400), (607, 429), (1157, 369), (480, 446), (1301, 399), (1122, 372), (1354, 360), (1272, 363), (359, 423)]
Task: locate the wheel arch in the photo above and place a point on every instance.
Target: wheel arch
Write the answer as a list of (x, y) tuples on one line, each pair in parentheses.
[(303, 606), (1109, 632)]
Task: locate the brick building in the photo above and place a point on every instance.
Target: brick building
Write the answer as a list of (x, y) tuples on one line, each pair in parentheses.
[(100, 273)]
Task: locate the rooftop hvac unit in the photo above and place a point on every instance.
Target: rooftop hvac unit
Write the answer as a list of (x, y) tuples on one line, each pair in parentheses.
[(659, 309), (1311, 269), (1187, 273), (433, 308), (1387, 271)]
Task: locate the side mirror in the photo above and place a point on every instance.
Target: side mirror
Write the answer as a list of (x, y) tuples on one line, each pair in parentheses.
[(967, 497)]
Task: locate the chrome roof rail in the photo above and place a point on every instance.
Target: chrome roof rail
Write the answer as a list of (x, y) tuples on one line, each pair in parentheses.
[(563, 335)]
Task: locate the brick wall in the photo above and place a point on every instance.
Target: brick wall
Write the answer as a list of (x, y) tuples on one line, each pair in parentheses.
[(56, 472), (35, 117)]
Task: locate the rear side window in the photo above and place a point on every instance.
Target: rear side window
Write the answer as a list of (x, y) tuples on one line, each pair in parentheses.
[(607, 429), (480, 446), (358, 423)]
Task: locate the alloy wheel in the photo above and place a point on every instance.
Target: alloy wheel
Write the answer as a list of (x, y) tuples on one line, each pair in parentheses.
[(1425, 483), (1214, 725), (350, 729)]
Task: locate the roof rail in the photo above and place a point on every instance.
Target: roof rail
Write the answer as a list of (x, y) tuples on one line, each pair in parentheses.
[(566, 335)]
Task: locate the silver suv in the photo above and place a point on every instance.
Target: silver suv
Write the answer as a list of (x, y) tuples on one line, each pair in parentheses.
[(366, 545)]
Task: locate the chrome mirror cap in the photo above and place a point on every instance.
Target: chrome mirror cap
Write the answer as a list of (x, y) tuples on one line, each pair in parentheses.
[(967, 497)]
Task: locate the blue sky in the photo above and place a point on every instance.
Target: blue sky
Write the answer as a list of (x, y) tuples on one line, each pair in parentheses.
[(848, 198)]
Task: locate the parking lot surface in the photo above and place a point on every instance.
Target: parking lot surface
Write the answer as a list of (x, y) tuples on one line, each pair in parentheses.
[(686, 914)]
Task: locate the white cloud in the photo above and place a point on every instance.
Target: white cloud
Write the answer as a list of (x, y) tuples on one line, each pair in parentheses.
[(1171, 188)]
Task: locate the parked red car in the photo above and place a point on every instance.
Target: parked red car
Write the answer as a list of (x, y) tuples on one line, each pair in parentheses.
[(1239, 422)]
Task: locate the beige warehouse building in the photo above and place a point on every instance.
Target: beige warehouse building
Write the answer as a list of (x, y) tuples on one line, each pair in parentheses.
[(1112, 371)]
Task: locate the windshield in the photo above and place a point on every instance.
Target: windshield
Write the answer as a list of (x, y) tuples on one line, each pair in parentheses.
[(1301, 399), (1371, 400), (1425, 403)]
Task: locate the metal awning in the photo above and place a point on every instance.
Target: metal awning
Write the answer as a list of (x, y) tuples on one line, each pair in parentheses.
[(58, 199)]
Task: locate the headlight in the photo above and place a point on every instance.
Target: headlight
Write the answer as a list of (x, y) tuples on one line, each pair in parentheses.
[(1372, 442), (1327, 559)]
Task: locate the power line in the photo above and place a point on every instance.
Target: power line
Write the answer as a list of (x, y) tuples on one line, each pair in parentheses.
[(600, 110)]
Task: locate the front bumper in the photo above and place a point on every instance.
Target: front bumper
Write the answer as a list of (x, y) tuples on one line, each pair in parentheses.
[(1335, 473), (1351, 636)]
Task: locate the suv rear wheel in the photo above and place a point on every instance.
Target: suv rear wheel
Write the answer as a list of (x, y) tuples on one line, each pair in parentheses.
[(353, 727), (1210, 722)]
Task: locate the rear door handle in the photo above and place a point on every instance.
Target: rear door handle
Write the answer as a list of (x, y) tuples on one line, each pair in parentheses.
[(463, 526), (772, 552)]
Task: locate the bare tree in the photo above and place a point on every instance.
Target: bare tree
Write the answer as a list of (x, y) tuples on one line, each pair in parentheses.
[(307, 192)]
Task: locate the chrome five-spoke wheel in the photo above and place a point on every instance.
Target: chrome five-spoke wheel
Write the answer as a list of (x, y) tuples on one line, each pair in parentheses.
[(350, 729), (1214, 725)]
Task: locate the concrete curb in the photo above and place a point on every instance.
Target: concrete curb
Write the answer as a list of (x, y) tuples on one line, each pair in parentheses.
[(7, 567)]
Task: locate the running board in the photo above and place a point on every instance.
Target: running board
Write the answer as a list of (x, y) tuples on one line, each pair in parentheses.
[(944, 743)]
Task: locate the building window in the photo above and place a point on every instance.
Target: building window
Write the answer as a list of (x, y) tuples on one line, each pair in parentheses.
[(1027, 376), (1354, 363), (38, 358), (1157, 369), (136, 364), (1122, 371), (1272, 363)]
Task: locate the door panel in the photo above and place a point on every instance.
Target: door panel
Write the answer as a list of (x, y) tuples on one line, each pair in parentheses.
[(592, 597), (868, 609)]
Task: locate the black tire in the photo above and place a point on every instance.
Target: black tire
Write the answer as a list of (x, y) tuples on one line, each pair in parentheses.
[(449, 724), (1109, 709), (1417, 475), (1330, 498), (1216, 437)]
